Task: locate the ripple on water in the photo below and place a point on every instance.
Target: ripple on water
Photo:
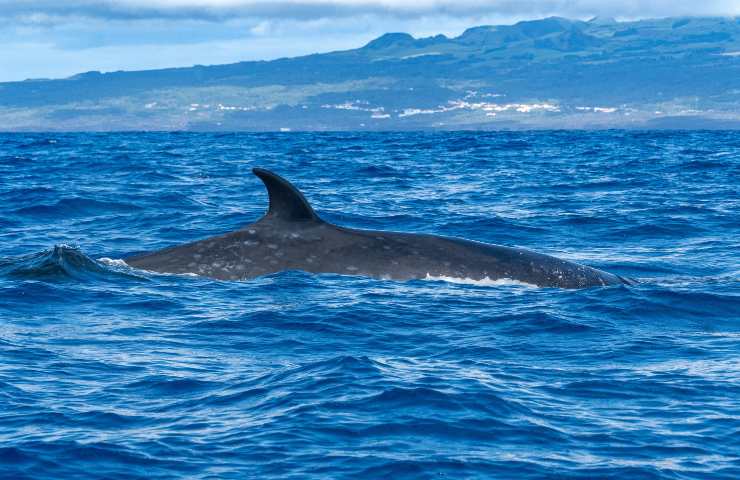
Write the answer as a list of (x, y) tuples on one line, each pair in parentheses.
[(111, 372)]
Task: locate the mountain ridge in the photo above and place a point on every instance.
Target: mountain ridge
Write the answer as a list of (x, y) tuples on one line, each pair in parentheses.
[(548, 73)]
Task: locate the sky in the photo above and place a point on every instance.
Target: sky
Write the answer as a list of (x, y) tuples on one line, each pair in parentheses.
[(59, 38)]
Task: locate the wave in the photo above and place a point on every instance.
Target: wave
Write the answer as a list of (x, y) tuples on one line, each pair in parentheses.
[(77, 206), (484, 282), (43, 142), (375, 171), (62, 262), (108, 372)]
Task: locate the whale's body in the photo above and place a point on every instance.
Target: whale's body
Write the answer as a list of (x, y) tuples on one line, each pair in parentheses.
[(292, 237)]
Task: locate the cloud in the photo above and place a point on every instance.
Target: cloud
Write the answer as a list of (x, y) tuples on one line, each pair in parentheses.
[(56, 38), (51, 11), (46, 60)]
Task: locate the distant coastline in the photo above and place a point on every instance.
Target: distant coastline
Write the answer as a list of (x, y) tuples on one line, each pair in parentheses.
[(553, 73)]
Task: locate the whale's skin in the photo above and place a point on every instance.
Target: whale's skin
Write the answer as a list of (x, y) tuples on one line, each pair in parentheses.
[(292, 237)]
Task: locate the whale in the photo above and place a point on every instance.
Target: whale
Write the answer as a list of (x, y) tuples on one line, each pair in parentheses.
[(291, 236)]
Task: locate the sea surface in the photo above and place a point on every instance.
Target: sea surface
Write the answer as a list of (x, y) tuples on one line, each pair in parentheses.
[(110, 372)]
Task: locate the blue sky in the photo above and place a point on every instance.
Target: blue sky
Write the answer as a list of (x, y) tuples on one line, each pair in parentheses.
[(58, 38)]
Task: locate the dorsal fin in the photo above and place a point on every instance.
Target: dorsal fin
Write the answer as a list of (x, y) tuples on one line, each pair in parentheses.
[(286, 202)]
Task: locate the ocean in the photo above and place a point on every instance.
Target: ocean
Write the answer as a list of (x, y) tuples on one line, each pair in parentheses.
[(111, 372)]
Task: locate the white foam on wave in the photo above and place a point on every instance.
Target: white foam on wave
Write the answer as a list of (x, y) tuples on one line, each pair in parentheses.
[(113, 262), (118, 262), (485, 282)]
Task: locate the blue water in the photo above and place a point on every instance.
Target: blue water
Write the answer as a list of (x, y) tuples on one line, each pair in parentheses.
[(110, 372)]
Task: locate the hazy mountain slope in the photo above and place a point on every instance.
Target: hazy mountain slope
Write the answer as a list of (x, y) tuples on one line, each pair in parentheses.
[(549, 73)]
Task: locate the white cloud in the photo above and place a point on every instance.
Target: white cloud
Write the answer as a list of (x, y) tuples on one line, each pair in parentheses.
[(44, 60), (56, 38), (219, 10)]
